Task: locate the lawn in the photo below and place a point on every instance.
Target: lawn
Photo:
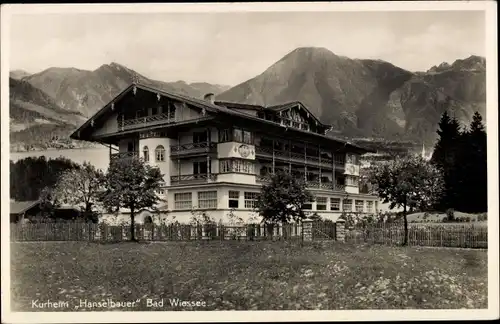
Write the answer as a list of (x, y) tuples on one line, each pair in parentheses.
[(475, 219), (246, 276)]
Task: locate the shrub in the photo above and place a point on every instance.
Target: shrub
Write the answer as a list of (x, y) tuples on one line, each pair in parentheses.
[(482, 217), (450, 215)]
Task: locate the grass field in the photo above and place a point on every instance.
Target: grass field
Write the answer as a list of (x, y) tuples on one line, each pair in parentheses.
[(246, 275), (441, 217)]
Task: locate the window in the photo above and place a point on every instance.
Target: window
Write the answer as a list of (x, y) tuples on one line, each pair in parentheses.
[(369, 206), (360, 205), (321, 203), (145, 152), (347, 204), (160, 153), (335, 204), (251, 199), (348, 158), (225, 135), (236, 165), (247, 137), (183, 200), (207, 199), (355, 159), (200, 167), (171, 110), (307, 206), (352, 158), (352, 180), (225, 166), (237, 135), (234, 199), (200, 137)]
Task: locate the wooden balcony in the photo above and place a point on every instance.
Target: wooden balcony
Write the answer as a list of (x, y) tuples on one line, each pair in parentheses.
[(191, 149), (262, 179), (192, 179), (267, 152), (124, 155), (154, 120)]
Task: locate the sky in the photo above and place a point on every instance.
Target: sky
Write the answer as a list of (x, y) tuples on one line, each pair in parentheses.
[(230, 48)]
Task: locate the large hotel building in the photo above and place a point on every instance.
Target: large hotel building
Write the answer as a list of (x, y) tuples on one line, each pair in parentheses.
[(216, 155)]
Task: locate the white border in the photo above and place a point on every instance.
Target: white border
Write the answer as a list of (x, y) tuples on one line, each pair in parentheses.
[(223, 316)]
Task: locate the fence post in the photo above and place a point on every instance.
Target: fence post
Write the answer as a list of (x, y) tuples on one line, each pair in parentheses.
[(340, 230), (204, 235), (307, 230)]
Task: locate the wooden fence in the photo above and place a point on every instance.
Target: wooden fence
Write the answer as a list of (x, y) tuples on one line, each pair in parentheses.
[(151, 232), (465, 236)]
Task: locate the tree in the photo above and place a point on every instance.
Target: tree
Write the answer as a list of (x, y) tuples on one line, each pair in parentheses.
[(283, 198), (48, 202), (29, 176), (81, 187), (472, 168), (131, 183), (445, 156), (408, 182)]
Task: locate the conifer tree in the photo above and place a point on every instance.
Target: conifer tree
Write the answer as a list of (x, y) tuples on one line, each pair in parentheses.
[(472, 167), (445, 155)]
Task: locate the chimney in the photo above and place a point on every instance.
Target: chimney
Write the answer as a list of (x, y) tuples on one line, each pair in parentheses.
[(210, 97)]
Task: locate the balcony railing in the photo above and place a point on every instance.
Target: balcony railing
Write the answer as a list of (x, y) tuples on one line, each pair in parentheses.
[(192, 148), (153, 120), (262, 178), (309, 184), (193, 178), (124, 155), (263, 151)]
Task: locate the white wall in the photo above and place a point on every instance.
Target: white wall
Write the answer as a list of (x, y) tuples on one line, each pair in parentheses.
[(236, 178), (352, 189), (164, 166)]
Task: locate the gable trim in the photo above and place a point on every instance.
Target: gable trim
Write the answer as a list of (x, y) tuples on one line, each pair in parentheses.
[(110, 106), (290, 105)]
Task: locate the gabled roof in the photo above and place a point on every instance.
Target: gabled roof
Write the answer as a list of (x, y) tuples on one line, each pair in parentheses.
[(213, 108), (19, 207), (239, 105), (292, 104), (200, 103)]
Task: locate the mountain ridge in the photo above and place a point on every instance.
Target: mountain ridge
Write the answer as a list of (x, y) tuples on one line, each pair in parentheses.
[(360, 98), (47, 106), (366, 97)]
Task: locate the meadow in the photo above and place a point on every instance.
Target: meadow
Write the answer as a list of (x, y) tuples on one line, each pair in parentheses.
[(240, 275)]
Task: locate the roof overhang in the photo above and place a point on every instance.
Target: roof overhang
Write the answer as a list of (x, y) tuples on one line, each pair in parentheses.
[(211, 110), (109, 107)]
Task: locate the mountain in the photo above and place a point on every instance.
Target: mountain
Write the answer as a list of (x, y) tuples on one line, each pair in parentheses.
[(85, 92), (46, 107), (18, 74), (35, 117), (369, 98)]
